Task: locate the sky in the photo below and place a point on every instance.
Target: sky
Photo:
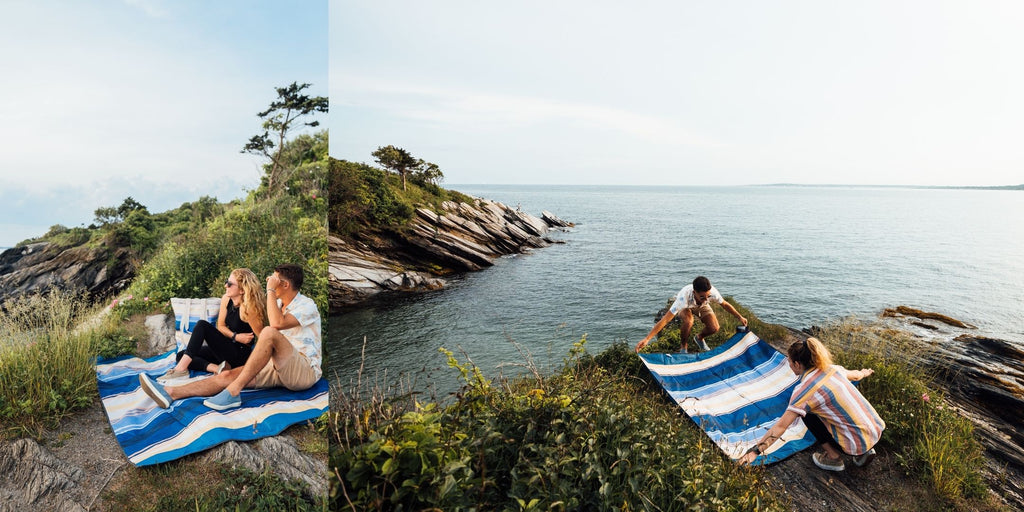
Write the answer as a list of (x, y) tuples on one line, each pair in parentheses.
[(916, 92), (151, 99)]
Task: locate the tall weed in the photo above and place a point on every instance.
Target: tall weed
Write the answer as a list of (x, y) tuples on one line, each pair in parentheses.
[(46, 364)]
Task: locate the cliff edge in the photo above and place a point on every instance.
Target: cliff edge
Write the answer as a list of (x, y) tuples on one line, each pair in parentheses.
[(461, 237)]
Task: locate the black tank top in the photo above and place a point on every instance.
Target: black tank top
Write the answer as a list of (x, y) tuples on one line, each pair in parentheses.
[(233, 319)]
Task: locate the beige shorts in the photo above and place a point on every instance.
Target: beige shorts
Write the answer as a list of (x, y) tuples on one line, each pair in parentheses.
[(295, 374), (702, 311)]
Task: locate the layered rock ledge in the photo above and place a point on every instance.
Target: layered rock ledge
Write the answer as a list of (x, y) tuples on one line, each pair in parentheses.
[(40, 266), (461, 237)]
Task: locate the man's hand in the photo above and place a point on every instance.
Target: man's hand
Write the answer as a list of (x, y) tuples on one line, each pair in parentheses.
[(743, 321), (273, 280), (642, 344)]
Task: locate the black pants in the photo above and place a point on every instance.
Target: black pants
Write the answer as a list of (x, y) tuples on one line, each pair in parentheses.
[(209, 346), (820, 431)]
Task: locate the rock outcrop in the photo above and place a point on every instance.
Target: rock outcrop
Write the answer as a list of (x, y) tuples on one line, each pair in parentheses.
[(38, 267), (461, 237)]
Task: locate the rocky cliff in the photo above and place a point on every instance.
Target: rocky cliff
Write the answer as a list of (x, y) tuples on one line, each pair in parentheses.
[(38, 267), (460, 237)]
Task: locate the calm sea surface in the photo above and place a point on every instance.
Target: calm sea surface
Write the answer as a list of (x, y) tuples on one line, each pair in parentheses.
[(797, 256)]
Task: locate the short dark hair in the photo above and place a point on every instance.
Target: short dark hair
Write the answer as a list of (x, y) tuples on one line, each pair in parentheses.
[(291, 272), (701, 284)]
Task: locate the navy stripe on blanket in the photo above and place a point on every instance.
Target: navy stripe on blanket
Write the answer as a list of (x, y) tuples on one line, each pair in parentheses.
[(735, 393), (151, 435)]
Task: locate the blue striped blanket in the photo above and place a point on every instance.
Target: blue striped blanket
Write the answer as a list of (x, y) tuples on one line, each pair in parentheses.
[(735, 392), (151, 435)]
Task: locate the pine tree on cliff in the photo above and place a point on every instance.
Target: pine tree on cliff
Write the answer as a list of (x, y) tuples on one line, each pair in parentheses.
[(395, 159), (280, 118)]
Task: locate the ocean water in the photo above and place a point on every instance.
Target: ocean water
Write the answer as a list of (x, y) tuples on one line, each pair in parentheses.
[(794, 255)]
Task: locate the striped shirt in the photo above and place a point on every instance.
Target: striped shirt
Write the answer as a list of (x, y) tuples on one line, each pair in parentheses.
[(847, 415)]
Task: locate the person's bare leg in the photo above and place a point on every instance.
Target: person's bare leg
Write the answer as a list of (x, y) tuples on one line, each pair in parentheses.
[(271, 344), (206, 387), (832, 452), (685, 324), (183, 363), (710, 325)]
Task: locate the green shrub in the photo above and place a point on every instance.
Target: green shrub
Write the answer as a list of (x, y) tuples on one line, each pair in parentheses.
[(586, 438), (668, 340), (254, 235), (46, 363)]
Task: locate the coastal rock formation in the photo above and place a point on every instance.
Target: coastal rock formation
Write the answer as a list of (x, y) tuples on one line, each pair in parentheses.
[(35, 478), (41, 266), (984, 379), (461, 237)]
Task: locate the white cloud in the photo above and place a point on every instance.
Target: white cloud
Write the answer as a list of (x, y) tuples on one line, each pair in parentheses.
[(475, 110)]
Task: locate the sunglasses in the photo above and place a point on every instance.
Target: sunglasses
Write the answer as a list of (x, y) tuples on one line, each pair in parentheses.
[(229, 284)]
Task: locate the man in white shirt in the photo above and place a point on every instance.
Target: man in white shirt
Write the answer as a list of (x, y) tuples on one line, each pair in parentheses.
[(693, 300), (287, 352)]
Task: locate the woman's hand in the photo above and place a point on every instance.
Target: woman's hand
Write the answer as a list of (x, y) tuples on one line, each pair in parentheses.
[(244, 338), (747, 458), (641, 345)]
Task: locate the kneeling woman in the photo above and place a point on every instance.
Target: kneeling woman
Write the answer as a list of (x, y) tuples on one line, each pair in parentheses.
[(840, 418), (228, 344)]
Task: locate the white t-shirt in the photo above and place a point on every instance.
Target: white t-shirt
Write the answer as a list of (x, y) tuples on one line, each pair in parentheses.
[(685, 299), (305, 337)]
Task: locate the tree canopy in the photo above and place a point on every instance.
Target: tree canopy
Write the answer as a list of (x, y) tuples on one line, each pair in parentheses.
[(284, 114)]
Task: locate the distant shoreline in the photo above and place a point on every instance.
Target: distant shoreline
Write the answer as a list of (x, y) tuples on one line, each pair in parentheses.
[(941, 187), (780, 185)]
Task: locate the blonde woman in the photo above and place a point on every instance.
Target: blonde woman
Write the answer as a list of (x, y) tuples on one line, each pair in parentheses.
[(840, 418), (228, 344)]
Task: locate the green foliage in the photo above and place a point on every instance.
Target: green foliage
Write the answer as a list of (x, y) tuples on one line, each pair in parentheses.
[(243, 489), (669, 339), (285, 113), (254, 235), (361, 197), (929, 438), (186, 485), (586, 438), (46, 363), (366, 198), (396, 159)]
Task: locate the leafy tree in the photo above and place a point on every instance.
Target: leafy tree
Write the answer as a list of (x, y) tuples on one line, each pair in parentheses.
[(427, 172), (281, 117), (108, 215), (396, 159)]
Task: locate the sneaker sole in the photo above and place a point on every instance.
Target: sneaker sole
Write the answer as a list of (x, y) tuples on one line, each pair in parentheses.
[(827, 467), (867, 458), (147, 387), (219, 407)]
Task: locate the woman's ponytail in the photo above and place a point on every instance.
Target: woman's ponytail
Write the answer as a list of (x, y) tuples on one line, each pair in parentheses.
[(820, 357), (811, 354)]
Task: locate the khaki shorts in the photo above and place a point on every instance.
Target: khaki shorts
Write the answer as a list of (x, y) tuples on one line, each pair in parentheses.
[(295, 374), (702, 311)]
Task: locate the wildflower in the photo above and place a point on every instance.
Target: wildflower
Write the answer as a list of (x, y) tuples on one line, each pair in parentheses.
[(145, 299), (129, 297), (925, 397), (536, 393), (113, 303)]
